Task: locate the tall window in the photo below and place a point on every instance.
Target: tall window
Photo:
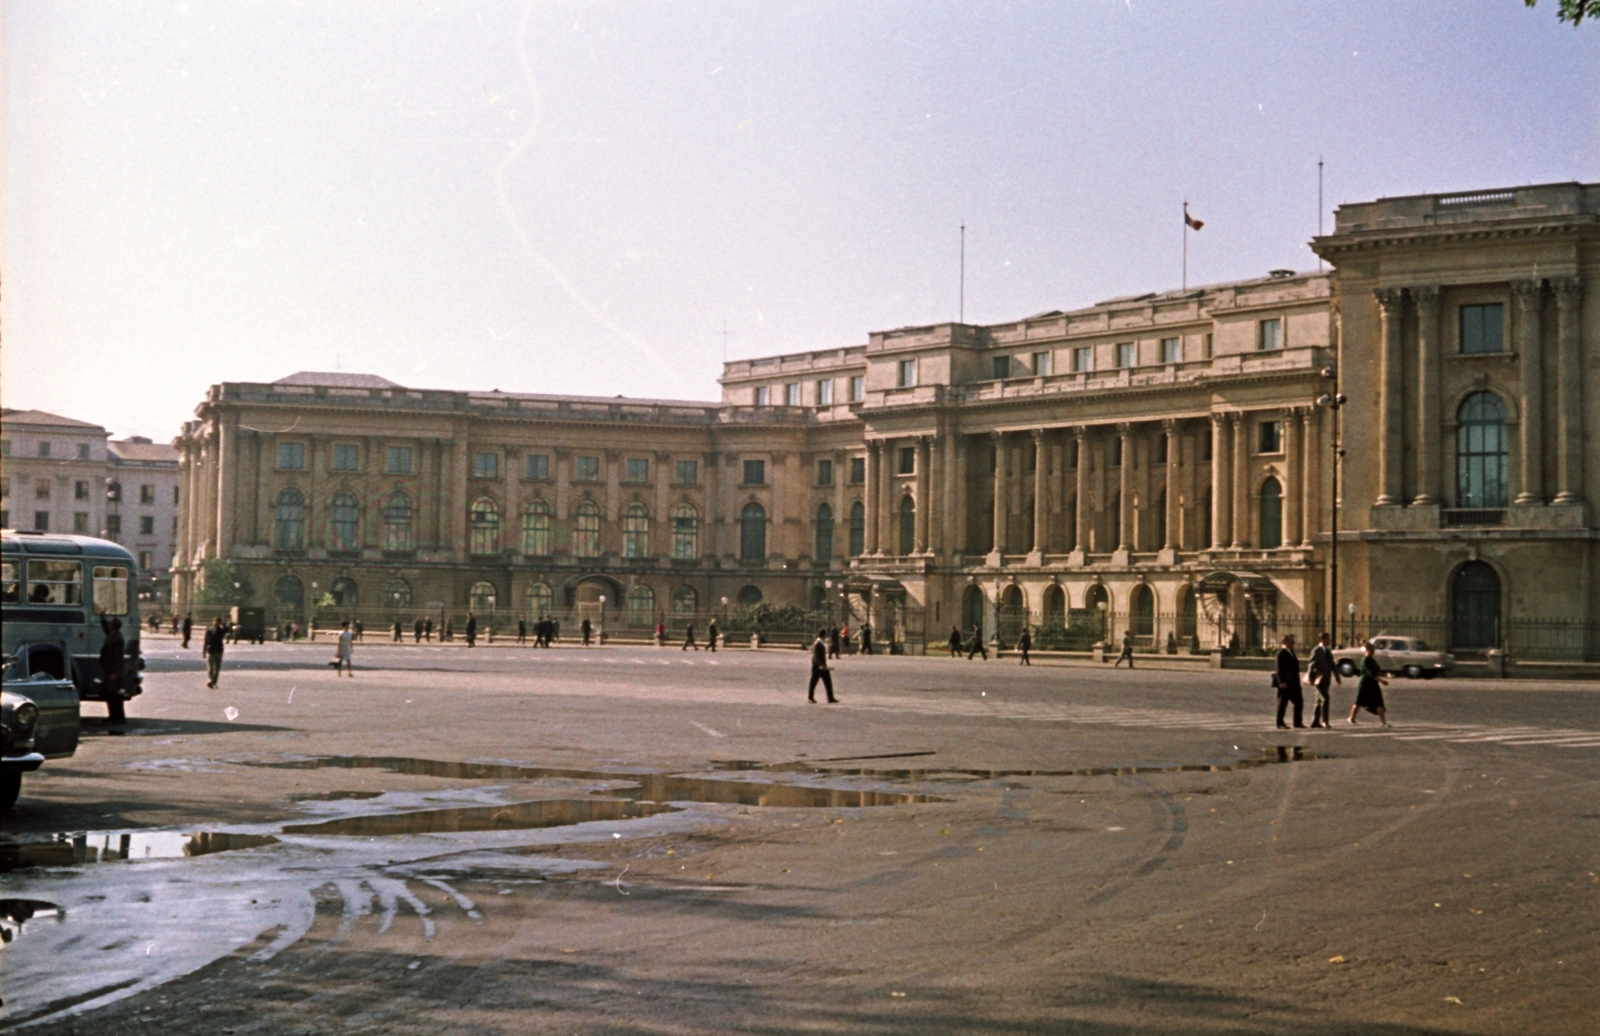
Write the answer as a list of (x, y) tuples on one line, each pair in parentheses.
[(541, 600), (907, 460), (1083, 359), (1041, 365), (1171, 350), (1271, 436), (824, 533), (1269, 334), (147, 494), (908, 525), (346, 456), (1271, 514), (687, 472), (344, 522), (636, 531), (399, 460), (1143, 606), (586, 530), (485, 465), (641, 606), (1126, 352), (824, 472), (858, 470), (763, 395), (636, 469), (906, 373), (858, 388), (755, 472), (484, 530), (292, 455), (858, 529), (289, 524), (1483, 328), (536, 538), (1481, 451), (536, 466), (825, 392), (791, 394), (397, 521), (753, 532), (686, 533), (586, 469), (1000, 367)]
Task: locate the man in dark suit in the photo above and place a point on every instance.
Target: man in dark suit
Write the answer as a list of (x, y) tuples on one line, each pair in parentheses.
[(819, 668), (1286, 678), (1321, 674), (212, 649), (472, 630), (113, 670)]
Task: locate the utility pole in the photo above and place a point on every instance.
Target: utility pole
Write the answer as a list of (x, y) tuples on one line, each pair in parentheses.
[(1319, 207), (961, 311)]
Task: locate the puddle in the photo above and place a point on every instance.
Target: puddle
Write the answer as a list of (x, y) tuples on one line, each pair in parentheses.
[(70, 850), (513, 817), (1268, 757), (14, 913), (333, 796)]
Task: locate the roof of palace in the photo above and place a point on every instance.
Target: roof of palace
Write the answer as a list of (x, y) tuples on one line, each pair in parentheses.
[(337, 379), (41, 417)]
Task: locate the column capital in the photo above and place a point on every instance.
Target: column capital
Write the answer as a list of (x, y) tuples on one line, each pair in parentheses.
[(1218, 418), (995, 437), (1080, 432), (1390, 300), (1528, 291), (1037, 435), (1124, 428), (1169, 425), (1236, 417), (1569, 290), (1425, 296)]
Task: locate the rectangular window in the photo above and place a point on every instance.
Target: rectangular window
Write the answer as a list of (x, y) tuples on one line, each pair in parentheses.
[(55, 582), (1483, 328), (83, 451), (1208, 345), (80, 490), (41, 521), (174, 495), (824, 472), (763, 396), (586, 469), (858, 388), (536, 466), (1041, 365), (399, 460), (1171, 350), (688, 473), (637, 469), (1000, 367), (1126, 354), (292, 456), (755, 472), (5, 488), (80, 521), (908, 460), (114, 492), (1270, 335), (41, 489), (147, 560), (1083, 359), (5, 519), (147, 494), (44, 449), (907, 376), (1271, 436), (147, 525), (858, 470), (110, 590), (791, 394), (346, 456), (485, 465), (825, 392), (114, 525)]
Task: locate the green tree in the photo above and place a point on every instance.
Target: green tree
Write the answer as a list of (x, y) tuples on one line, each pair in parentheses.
[(1573, 11), (222, 583)]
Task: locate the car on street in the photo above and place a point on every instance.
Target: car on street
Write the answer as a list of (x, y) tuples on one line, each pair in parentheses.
[(38, 721), (1408, 656)]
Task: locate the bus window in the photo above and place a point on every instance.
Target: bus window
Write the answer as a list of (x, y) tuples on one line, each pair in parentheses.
[(110, 590), (54, 582), (10, 587)]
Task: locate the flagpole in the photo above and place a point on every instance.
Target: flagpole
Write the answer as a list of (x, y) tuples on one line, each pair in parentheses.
[(1186, 245)]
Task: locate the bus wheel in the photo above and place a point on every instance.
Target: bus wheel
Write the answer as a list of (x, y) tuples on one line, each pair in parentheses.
[(10, 787)]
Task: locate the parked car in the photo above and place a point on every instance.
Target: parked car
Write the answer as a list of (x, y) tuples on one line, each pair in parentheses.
[(1397, 655), (39, 717)]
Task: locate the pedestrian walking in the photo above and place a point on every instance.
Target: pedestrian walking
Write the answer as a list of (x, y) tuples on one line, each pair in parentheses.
[(819, 669), (359, 629), (588, 630), (688, 638), (472, 630), (975, 646), (1286, 680), (1369, 692), (661, 635), (113, 670), (711, 635), (416, 631), (844, 637), (1127, 650), (212, 649), (427, 629), (866, 638), (1321, 674), (955, 641), (342, 661), (522, 630), (1024, 644), (188, 625), (833, 642)]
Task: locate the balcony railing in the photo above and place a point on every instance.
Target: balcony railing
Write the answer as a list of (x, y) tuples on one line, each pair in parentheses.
[(1473, 517)]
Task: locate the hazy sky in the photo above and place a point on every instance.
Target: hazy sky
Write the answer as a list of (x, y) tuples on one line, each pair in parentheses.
[(574, 197)]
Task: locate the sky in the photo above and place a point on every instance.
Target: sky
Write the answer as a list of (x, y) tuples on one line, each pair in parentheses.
[(612, 198)]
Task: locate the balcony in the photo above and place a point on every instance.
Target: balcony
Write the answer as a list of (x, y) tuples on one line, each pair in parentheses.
[(1473, 518)]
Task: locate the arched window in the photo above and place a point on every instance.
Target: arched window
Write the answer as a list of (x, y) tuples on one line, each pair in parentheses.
[(1188, 613), (397, 522), (686, 533), (1475, 607), (908, 525), (1098, 604), (398, 593), (858, 529), (974, 608), (344, 522), (289, 525), (1271, 514), (685, 601), (1481, 451), (541, 600), (641, 606), (289, 594), (536, 539), (635, 533), (1143, 607), (344, 592), (482, 598), (586, 530), (484, 532), (824, 533), (1055, 606), (750, 596), (753, 532)]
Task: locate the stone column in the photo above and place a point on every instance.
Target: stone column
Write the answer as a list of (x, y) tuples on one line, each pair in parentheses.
[(1391, 389), (924, 496), (1080, 503), (1125, 487), (1294, 476), (874, 462), (661, 524), (227, 480), (1240, 477), (1530, 298), (1569, 390), (888, 505), (1310, 473), (998, 536), (184, 467), (1041, 492), (950, 498), (1174, 460), (961, 503), (1429, 423), (1219, 483)]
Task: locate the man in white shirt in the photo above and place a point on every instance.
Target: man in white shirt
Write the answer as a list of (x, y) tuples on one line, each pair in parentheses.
[(342, 662)]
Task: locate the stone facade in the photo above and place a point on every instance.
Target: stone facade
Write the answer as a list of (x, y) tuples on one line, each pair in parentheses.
[(54, 476), (143, 495), (1162, 456)]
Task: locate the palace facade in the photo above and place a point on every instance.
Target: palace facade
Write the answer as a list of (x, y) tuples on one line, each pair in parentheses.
[(1164, 460)]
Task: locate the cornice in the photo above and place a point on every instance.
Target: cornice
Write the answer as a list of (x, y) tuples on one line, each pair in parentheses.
[(1368, 240)]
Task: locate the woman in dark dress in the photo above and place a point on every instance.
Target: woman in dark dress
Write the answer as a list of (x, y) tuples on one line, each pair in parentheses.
[(1369, 692)]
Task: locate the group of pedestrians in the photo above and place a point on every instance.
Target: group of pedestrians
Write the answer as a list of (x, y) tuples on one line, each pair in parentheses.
[(1322, 672)]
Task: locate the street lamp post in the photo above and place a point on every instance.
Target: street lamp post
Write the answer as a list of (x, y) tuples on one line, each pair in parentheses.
[(828, 597), (1334, 402)]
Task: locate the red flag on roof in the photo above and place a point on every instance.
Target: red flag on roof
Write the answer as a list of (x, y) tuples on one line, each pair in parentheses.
[(1194, 224)]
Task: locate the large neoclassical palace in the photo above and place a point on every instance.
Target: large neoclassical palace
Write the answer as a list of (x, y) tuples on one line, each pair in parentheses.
[(1170, 458)]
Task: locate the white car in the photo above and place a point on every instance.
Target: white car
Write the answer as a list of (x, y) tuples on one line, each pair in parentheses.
[(1396, 655)]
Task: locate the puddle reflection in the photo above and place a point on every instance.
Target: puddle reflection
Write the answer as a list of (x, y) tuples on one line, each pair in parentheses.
[(68, 850), (1267, 757), (14, 913)]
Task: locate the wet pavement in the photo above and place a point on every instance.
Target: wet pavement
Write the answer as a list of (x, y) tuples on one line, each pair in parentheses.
[(691, 848)]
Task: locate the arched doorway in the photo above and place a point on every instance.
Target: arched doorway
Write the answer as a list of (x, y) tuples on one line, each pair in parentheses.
[(1475, 607), (1055, 606), (1012, 615), (1142, 609), (1271, 514), (1097, 603), (753, 533), (345, 592), (1188, 615), (972, 609), (288, 598)]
